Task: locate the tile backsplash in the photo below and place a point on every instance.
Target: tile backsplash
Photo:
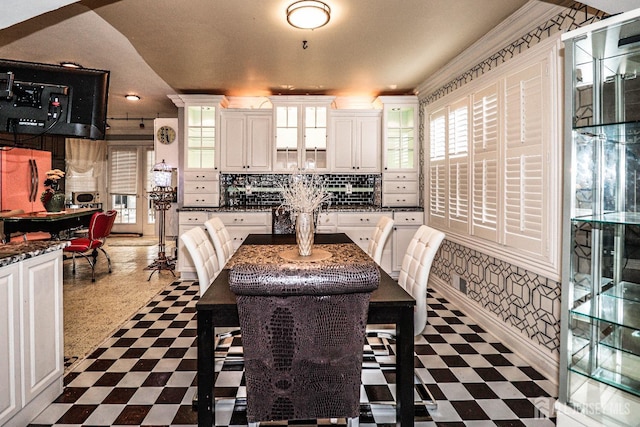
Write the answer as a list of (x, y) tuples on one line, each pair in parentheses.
[(262, 189)]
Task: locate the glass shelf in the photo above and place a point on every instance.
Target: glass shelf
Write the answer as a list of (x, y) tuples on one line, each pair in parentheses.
[(629, 218), (612, 310)]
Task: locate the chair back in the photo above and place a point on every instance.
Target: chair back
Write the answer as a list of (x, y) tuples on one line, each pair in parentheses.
[(379, 238), (101, 224), (302, 336), (222, 242), (203, 256), (416, 265)]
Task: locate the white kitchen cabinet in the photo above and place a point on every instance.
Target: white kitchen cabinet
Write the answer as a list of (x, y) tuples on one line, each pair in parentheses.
[(31, 337), (327, 222), (201, 189), (300, 132), (404, 227), (399, 133), (400, 189), (359, 226), (246, 140), (241, 224), (355, 144)]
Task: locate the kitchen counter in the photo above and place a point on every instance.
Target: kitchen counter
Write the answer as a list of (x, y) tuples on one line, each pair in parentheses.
[(13, 252), (351, 208)]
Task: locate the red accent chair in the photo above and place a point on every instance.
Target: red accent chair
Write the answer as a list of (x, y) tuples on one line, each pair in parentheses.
[(99, 229)]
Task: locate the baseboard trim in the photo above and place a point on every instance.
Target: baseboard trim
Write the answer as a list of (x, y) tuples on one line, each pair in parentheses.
[(537, 356)]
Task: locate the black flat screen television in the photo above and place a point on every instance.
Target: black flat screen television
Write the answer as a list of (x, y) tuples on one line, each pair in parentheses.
[(52, 99)]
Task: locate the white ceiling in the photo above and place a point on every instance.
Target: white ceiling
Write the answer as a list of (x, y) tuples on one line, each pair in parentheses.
[(245, 47)]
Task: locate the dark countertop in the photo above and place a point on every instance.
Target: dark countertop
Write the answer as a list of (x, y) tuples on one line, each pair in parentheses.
[(13, 252), (352, 208)]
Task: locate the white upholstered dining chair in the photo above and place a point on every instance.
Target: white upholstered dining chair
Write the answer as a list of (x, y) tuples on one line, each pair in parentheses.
[(414, 278), (379, 238), (203, 255), (222, 242)]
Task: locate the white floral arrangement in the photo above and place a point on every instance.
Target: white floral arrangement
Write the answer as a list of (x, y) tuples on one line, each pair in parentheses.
[(303, 193)]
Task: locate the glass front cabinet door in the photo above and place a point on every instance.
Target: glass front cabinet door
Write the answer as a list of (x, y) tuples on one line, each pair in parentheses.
[(600, 324), (300, 125)]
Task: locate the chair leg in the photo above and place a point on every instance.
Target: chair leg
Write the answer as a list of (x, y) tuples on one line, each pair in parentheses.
[(73, 258), (353, 422), (108, 258), (254, 424)]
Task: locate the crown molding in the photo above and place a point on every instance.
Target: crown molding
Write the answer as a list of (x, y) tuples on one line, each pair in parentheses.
[(524, 20)]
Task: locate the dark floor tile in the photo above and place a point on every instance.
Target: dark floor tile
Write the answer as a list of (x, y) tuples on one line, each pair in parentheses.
[(180, 324), (143, 324), (532, 373), (464, 349), (134, 353), (163, 342), (530, 389), (157, 379), (434, 339), (120, 332), (100, 365), (188, 365), (489, 374), (226, 392), (424, 349), (472, 338), (480, 391), (119, 395), (77, 414), (175, 353), (144, 365), (442, 375), (171, 395), (378, 393), (437, 307), (444, 329), (185, 415), (132, 415), (97, 353), (454, 361), (70, 377), (125, 342), (469, 410), (109, 379), (71, 394), (501, 347), (168, 316), (523, 408), (509, 423), (189, 333), (154, 332), (497, 360), (453, 320), (451, 424), (478, 329)]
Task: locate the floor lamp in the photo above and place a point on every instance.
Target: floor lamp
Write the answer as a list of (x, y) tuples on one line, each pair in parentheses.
[(162, 195)]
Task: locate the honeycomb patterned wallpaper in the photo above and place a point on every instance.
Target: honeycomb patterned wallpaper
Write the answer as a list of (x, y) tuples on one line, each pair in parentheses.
[(524, 300)]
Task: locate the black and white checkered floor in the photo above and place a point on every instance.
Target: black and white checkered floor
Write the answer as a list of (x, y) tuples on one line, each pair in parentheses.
[(145, 374)]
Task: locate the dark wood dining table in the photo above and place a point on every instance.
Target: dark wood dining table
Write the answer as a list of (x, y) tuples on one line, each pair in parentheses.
[(50, 222), (389, 304)]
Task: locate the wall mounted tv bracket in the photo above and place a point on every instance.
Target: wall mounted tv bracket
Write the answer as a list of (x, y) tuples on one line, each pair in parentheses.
[(34, 105)]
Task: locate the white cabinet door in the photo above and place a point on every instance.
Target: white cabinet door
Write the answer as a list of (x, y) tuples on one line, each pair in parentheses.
[(343, 144), (355, 142), (246, 141), (43, 358), (259, 141), (405, 226), (10, 382), (233, 141)]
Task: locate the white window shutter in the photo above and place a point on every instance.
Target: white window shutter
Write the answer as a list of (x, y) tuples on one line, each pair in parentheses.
[(458, 149), (486, 138), (525, 204)]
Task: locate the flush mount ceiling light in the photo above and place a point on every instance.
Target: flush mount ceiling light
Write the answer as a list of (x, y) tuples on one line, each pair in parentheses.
[(132, 97), (308, 14)]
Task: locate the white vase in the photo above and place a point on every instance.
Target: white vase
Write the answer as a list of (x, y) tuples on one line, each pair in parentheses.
[(304, 233)]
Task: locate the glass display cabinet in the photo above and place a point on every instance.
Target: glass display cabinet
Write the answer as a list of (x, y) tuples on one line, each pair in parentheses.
[(600, 323)]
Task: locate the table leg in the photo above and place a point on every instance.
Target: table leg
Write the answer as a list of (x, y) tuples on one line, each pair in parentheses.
[(404, 368), (206, 408)]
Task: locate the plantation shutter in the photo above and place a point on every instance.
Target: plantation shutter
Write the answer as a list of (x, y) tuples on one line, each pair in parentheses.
[(437, 167), (124, 171), (485, 139), (524, 160), (458, 149)]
